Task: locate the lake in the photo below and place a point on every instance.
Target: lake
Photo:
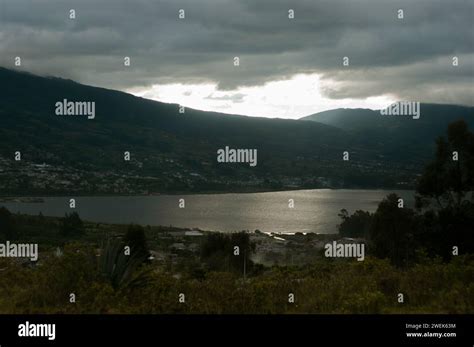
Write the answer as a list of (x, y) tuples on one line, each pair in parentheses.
[(314, 210)]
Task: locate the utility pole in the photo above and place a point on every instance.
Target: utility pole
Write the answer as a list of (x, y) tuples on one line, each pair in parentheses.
[(245, 266)]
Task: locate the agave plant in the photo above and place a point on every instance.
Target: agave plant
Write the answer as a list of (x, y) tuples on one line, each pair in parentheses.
[(120, 268)]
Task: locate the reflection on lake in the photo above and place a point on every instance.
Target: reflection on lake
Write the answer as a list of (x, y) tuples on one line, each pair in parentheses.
[(314, 210)]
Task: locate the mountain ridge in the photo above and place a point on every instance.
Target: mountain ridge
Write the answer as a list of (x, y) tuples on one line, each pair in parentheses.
[(173, 152)]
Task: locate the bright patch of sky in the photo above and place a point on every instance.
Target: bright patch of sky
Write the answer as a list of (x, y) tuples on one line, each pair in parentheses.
[(293, 98)]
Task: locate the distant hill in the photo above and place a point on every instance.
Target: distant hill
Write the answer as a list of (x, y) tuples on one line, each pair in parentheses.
[(173, 152), (396, 133), (165, 144)]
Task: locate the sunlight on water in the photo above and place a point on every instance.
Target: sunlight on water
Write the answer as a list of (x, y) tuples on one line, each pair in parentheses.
[(315, 211)]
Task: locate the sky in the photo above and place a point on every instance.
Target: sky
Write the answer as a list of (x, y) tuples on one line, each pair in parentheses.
[(288, 67)]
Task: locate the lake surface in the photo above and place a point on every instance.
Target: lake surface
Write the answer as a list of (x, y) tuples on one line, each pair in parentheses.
[(315, 210)]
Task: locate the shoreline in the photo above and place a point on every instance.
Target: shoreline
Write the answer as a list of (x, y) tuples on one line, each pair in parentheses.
[(6, 198)]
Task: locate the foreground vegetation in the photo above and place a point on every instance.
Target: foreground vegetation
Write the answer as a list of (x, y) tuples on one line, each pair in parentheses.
[(92, 266), (371, 286), (418, 260)]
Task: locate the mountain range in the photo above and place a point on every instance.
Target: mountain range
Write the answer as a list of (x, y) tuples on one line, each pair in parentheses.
[(397, 135), (176, 152)]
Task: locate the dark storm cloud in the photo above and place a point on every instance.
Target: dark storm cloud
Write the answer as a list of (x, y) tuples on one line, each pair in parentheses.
[(409, 58)]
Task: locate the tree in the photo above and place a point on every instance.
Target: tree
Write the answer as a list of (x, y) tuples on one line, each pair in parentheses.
[(219, 252), (72, 225), (355, 225), (392, 232), (448, 181), (8, 229), (445, 194), (135, 238)]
